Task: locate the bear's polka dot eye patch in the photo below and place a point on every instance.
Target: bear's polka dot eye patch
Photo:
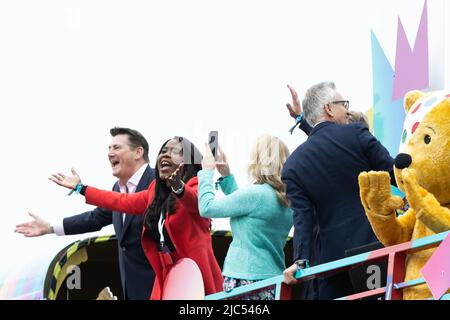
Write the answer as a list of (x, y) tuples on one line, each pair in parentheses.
[(417, 113)]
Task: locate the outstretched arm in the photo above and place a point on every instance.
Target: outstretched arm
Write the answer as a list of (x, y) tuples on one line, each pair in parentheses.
[(135, 203), (35, 228), (115, 201), (89, 221), (85, 222), (69, 182)]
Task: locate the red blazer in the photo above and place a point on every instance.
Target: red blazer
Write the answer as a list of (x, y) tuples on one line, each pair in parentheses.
[(189, 232)]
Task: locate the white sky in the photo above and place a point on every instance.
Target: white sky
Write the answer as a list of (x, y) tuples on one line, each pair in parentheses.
[(71, 70)]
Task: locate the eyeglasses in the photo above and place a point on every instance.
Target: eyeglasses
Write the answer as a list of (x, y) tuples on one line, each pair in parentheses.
[(345, 103)]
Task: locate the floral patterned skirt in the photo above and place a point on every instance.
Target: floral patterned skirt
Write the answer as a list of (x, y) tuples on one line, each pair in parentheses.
[(267, 293)]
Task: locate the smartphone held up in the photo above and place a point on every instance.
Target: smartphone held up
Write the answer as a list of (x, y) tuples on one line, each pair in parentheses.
[(213, 141)]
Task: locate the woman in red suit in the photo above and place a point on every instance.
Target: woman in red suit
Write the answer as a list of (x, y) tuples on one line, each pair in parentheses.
[(173, 227)]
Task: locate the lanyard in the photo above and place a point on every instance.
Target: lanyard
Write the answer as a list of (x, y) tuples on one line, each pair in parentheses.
[(160, 228), (164, 254)]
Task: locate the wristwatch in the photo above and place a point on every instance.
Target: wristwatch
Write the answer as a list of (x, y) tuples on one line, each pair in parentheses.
[(302, 263)]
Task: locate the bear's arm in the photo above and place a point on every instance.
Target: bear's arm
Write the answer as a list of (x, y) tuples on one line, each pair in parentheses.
[(433, 215), (392, 230)]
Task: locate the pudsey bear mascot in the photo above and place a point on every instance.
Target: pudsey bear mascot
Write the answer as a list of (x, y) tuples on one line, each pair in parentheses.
[(422, 172)]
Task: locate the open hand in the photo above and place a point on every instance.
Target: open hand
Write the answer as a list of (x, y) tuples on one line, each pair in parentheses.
[(174, 180), (69, 182), (375, 193), (414, 192), (208, 161), (222, 163), (295, 108), (36, 227)]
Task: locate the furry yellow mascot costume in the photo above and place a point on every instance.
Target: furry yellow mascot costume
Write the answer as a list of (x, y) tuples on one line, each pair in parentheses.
[(422, 171)]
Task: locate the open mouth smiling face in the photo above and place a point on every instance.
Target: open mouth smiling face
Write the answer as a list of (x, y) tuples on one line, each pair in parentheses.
[(170, 158), (115, 164), (120, 156)]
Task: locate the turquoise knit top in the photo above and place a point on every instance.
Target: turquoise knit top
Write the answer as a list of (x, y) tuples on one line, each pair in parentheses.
[(259, 224)]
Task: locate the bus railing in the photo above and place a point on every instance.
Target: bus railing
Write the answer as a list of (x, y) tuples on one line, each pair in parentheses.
[(394, 281)]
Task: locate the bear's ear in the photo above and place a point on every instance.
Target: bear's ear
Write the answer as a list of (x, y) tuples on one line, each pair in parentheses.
[(410, 98)]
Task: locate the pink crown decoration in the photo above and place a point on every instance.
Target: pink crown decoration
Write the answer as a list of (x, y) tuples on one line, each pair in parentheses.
[(411, 65)]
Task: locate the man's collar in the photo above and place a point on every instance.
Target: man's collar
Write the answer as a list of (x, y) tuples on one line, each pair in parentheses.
[(322, 121), (319, 125), (136, 177)]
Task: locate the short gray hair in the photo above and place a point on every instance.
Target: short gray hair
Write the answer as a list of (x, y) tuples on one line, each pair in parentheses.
[(315, 98)]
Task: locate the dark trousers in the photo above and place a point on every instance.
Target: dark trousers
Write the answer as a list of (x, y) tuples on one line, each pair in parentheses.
[(336, 286)]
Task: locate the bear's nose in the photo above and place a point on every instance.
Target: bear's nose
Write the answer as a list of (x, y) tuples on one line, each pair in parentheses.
[(402, 161)]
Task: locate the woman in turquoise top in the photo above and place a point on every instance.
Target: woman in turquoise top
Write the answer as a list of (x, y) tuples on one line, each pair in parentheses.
[(260, 216)]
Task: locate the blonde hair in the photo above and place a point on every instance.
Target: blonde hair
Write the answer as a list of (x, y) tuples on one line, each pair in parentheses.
[(267, 158), (356, 116)]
